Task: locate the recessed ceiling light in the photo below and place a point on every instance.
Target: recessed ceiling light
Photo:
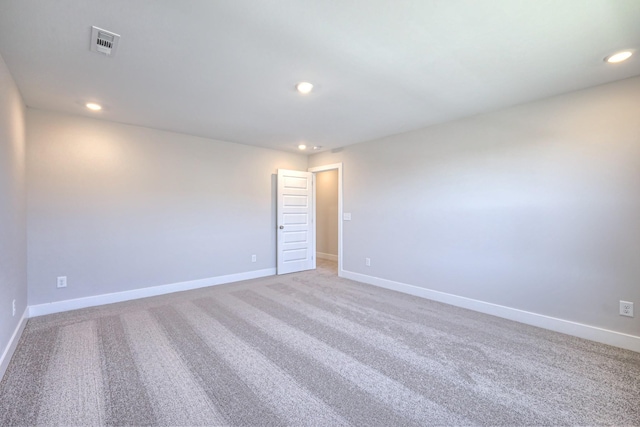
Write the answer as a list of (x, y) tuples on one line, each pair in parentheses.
[(93, 106), (618, 57), (317, 147), (304, 87), (302, 147)]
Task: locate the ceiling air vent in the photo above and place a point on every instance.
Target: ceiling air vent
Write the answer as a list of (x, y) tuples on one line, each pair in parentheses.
[(103, 41)]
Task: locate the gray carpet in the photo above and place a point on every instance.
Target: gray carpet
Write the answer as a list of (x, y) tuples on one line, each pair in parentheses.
[(309, 349)]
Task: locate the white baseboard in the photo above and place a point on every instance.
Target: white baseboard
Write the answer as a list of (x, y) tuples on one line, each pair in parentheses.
[(593, 333), (74, 304), (13, 343), (329, 257)]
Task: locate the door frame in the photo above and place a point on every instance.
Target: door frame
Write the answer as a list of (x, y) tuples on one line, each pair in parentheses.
[(315, 170)]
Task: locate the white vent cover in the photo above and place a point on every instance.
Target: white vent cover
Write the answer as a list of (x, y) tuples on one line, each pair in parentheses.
[(103, 41)]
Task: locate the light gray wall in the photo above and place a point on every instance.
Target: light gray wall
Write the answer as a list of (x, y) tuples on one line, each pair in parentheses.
[(13, 249), (327, 212), (116, 207), (535, 207)]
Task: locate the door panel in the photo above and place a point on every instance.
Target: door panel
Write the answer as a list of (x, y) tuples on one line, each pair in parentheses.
[(296, 248)]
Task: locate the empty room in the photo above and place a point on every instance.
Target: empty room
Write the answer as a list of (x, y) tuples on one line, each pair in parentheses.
[(310, 213)]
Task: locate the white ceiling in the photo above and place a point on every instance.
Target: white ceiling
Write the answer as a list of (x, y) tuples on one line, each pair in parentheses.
[(226, 69)]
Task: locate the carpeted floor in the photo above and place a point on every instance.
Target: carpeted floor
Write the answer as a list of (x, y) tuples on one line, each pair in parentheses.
[(309, 349)]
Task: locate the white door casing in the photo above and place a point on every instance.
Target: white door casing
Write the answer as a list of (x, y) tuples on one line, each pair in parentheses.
[(338, 167), (295, 225)]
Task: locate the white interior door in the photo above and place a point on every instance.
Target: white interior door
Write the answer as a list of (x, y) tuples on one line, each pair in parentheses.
[(296, 248)]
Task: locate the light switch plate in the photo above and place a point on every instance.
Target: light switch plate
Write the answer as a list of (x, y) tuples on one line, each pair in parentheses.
[(346, 216)]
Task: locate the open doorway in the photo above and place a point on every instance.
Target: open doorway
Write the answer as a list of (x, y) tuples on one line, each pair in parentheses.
[(328, 217), (327, 220), (296, 224)]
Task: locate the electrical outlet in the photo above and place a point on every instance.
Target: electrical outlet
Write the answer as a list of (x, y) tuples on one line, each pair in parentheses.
[(626, 308), (367, 262), (14, 307), (62, 281), (254, 258)]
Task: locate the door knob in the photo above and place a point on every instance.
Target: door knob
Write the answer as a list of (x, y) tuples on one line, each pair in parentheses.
[(281, 227)]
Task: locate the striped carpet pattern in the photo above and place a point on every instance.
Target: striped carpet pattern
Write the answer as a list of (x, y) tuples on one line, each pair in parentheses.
[(309, 349)]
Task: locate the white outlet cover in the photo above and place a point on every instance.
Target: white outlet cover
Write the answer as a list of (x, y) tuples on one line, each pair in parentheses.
[(626, 308), (62, 282)]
